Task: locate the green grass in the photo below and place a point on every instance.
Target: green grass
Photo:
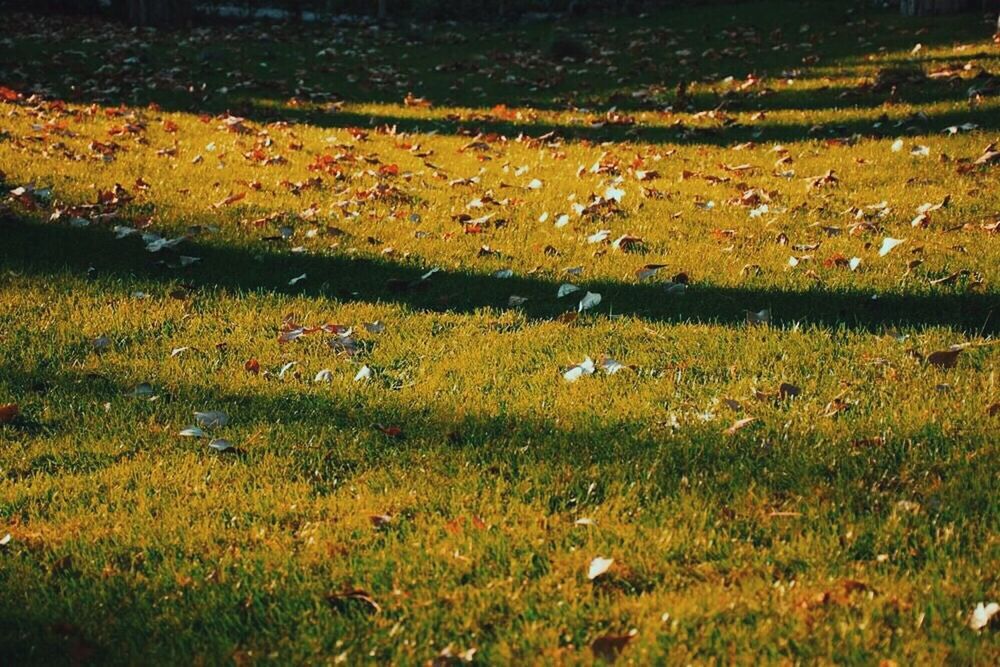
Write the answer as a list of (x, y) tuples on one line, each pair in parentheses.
[(852, 523)]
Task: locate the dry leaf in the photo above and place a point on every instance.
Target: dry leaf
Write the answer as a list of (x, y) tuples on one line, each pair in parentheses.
[(599, 566), (609, 647), (944, 358), (8, 412), (740, 424)]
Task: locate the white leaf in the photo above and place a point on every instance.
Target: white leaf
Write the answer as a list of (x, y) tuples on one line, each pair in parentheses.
[(897, 145), (982, 614), (599, 566), (374, 327), (192, 432), (220, 444), (888, 243), (535, 184), (854, 263), (211, 418), (589, 300), (297, 279), (599, 237), (610, 366), (364, 374), (325, 375), (178, 351), (515, 300), (504, 273), (286, 368), (614, 193), (5, 540), (566, 288), (562, 220), (585, 367)]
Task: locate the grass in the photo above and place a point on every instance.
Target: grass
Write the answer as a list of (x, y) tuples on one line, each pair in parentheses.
[(465, 487)]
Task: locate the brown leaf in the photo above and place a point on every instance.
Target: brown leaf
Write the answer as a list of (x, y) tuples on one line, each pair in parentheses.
[(8, 412), (609, 647), (740, 424), (944, 358), (788, 390), (341, 600)]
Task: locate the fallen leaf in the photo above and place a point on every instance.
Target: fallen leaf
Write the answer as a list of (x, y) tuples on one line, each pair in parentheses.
[(739, 425), (211, 418), (8, 412), (342, 598), (944, 358), (599, 566), (589, 300), (586, 367), (982, 615), (609, 647), (888, 243), (220, 445)]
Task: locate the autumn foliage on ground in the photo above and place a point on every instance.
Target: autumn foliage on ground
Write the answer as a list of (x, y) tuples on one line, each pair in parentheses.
[(667, 339)]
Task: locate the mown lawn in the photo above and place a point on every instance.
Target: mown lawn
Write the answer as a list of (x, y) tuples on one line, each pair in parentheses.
[(351, 243)]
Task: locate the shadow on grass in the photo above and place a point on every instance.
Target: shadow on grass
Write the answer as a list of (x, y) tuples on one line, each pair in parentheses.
[(344, 442), (680, 133), (42, 250)]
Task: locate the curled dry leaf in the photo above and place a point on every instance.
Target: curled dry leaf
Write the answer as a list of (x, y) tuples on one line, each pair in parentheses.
[(342, 599), (739, 425)]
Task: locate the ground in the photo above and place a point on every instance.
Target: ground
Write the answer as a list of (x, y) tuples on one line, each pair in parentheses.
[(351, 242)]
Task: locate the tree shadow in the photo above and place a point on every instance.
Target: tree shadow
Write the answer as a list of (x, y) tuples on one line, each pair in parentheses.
[(45, 249), (663, 459), (678, 132), (438, 66)]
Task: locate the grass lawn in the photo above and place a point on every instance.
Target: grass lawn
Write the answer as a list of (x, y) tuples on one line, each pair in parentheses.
[(715, 300)]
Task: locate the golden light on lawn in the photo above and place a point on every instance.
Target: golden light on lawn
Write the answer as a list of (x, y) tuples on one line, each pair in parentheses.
[(494, 356)]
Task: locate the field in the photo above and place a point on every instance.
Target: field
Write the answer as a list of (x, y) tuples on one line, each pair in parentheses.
[(468, 311)]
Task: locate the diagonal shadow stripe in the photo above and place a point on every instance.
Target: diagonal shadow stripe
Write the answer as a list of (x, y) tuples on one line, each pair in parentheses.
[(46, 249)]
